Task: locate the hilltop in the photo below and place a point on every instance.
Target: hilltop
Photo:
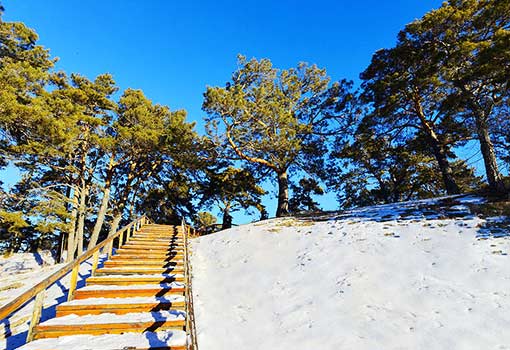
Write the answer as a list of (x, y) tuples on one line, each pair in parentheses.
[(428, 274)]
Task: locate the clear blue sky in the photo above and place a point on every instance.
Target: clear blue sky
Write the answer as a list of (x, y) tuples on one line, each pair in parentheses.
[(173, 49)]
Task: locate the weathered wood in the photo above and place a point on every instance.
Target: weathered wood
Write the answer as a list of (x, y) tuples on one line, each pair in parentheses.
[(36, 315)]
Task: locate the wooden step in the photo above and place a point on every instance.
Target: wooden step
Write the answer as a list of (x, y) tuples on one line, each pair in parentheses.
[(148, 257), (116, 291), (161, 340), (153, 247), (119, 306), (119, 262), (157, 235), (127, 280), (110, 324), (143, 253), (155, 241), (138, 270)]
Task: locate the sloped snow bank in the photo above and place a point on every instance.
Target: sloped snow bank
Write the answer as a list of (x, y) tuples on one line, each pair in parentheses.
[(354, 282)]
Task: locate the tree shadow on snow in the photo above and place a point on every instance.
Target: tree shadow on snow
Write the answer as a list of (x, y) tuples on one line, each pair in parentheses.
[(460, 207)]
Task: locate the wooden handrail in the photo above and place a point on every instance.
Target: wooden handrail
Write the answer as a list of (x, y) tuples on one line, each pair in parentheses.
[(17, 303), (190, 316)]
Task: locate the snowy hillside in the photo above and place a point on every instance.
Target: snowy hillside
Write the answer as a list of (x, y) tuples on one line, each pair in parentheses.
[(422, 275)]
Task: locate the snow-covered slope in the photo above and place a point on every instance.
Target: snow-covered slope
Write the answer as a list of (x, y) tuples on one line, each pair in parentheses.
[(423, 275)]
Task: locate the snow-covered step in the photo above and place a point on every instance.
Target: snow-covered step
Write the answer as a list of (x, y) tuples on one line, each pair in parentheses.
[(135, 279), (146, 257), (168, 339), (148, 239), (128, 270), (141, 262), (159, 235), (109, 323), (107, 291), (120, 305), (149, 248), (146, 253)]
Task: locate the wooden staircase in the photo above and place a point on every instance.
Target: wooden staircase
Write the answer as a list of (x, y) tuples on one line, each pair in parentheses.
[(136, 300)]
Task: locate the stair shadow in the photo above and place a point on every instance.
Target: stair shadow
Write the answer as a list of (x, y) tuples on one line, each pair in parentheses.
[(164, 305), (152, 338)]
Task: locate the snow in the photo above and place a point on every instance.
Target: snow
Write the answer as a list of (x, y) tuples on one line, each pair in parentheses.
[(107, 318), (20, 271), (382, 277), (111, 341)]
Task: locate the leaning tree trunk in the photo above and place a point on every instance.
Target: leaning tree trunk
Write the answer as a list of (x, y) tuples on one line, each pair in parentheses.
[(494, 177), (115, 223), (450, 185), (449, 182), (82, 213), (283, 195), (71, 241), (103, 207)]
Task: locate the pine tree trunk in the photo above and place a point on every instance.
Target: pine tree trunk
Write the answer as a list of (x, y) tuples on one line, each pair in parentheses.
[(71, 241), (227, 219), (450, 185), (115, 223), (283, 195), (103, 208), (82, 213), (494, 177)]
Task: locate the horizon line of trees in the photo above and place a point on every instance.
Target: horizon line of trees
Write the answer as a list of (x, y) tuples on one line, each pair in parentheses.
[(92, 158)]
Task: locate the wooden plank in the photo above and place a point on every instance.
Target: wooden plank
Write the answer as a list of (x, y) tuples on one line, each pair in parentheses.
[(126, 293), (53, 331), (125, 281), (36, 315), (138, 270), (142, 263), (118, 309), (141, 253)]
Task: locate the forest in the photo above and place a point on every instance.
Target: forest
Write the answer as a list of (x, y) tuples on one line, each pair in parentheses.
[(92, 158)]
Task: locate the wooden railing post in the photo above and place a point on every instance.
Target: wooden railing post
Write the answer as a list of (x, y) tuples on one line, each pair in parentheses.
[(74, 281), (109, 249), (39, 289), (121, 239), (95, 260), (36, 314)]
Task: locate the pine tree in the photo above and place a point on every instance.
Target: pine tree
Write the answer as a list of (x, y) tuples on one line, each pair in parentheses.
[(273, 120)]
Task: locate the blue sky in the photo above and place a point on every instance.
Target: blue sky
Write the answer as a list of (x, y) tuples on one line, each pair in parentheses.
[(173, 49)]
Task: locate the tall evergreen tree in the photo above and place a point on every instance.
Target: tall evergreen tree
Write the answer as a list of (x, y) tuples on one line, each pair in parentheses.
[(272, 120), (469, 39)]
